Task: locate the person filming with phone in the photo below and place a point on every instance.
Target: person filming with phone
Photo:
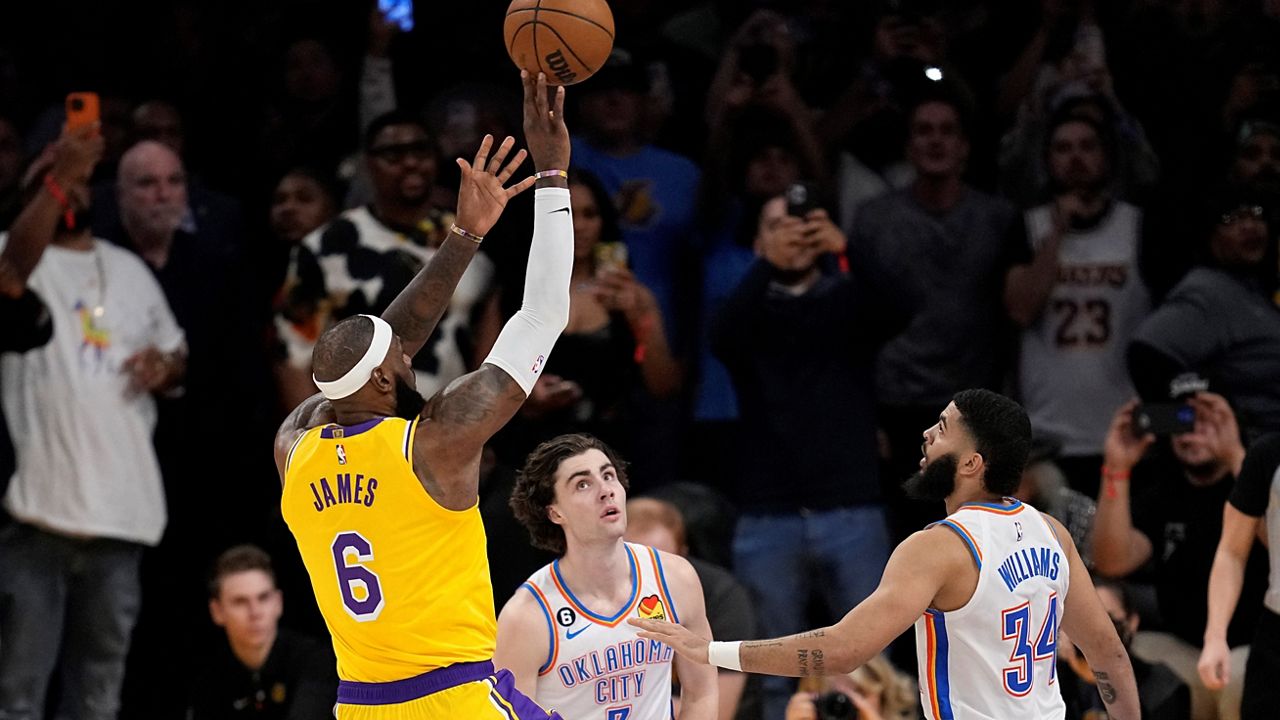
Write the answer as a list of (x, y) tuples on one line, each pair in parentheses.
[(798, 338), (1159, 520)]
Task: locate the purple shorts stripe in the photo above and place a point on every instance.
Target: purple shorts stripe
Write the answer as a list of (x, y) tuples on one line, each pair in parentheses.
[(525, 709), (390, 693)]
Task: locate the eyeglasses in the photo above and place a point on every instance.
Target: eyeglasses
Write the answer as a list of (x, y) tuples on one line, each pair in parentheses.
[(1254, 212), (397, 153)]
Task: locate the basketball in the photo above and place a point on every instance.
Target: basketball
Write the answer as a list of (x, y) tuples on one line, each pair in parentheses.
[(569, 40)]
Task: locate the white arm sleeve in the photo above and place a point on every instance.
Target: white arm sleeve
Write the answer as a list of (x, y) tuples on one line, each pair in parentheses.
[(526, 340)]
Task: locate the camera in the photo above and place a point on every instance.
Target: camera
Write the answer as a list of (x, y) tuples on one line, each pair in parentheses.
[(1164, 418), (835, 706)]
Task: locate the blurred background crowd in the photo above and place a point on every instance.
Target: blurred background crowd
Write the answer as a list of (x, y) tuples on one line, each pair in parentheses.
[(800, 228)]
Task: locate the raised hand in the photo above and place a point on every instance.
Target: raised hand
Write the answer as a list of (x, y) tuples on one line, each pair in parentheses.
[(544, 128), (819, 228), (381, 32), (684, 642), (619, 291), (75, 154), (481, 194), (1123, 449)]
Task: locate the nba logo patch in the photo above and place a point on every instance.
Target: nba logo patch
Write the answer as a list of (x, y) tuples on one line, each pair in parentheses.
[(537, 364), (342, 455), (651, 608), (1018, 526)]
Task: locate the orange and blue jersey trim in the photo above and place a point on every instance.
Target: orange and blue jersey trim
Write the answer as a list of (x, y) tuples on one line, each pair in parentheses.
[(967, 537), (1013, 508), (553, 638), (939, 696), (612, 620), (662, 586), (1053, 531)]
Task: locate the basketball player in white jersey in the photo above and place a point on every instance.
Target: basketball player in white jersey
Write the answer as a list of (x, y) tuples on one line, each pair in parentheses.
[(564, 634), (987, 589)]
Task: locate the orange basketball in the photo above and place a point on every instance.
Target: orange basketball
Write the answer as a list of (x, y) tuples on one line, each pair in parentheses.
[(566, 39)]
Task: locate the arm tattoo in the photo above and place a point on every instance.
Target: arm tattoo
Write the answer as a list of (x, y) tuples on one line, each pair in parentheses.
[(418, 308), (813, 634), (802, 660), (475, 398), (762, 643), (819, 667), (1105, 688), (472, 409), (312, 412)]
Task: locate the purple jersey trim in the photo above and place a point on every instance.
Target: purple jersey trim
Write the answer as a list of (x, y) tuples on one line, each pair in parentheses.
[(330, 431)]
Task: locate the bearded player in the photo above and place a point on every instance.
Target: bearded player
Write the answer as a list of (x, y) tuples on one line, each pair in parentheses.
[(986, 589)]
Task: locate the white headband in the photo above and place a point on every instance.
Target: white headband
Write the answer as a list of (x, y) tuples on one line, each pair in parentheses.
[(357, 376)]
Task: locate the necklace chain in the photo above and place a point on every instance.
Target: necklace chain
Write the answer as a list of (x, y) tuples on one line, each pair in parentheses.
[(100, 309)]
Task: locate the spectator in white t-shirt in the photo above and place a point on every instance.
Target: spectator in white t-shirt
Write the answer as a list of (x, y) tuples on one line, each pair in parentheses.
[(87, 495)]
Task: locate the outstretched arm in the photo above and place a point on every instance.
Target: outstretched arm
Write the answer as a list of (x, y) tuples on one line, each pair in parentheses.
[(1091, 629), (916, 573), (74, 156), (414, 313), (460, 420)]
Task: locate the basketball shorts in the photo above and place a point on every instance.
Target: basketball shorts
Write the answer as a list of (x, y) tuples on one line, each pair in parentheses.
[(464, 690)]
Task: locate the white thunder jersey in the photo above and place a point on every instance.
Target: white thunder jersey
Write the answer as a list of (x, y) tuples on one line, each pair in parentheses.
[(996, 656), (1072, 369), (597, 668)]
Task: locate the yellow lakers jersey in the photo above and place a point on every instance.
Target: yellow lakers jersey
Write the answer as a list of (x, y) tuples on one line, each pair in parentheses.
[(402, 582)]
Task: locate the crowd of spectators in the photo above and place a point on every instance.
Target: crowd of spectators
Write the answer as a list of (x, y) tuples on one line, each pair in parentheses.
[(800, 228)]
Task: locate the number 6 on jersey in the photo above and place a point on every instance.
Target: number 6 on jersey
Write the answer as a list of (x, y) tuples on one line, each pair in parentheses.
[(361, 591)]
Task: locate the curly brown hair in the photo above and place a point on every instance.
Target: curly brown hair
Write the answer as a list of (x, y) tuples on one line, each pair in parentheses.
[(535, 488)]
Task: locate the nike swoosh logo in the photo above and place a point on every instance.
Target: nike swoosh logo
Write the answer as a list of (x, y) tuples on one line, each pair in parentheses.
[(563, 210), (569, 635)]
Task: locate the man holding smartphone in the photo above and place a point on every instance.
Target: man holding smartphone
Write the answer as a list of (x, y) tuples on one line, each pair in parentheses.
[(799, 341), (88, 496), (1162, 527)]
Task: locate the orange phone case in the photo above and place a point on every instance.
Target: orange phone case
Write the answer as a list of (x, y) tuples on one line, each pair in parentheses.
[(82, 109)]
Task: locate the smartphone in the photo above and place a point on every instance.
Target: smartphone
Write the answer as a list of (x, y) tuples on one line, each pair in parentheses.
[(82, 110), (610, 256), (399, 12), (1164, 419), (800, 199)]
